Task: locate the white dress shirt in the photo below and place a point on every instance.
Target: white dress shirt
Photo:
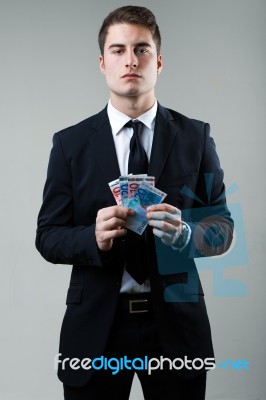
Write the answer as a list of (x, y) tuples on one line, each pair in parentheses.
[(122, 138)]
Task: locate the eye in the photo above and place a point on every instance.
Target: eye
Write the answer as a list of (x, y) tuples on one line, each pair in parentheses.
[(141, 50), (117, 51)]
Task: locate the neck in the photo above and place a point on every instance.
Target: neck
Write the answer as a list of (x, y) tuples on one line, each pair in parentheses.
[(132, 106)]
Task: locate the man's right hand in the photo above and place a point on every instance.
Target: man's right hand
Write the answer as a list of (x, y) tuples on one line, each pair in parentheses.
[(110, 224)]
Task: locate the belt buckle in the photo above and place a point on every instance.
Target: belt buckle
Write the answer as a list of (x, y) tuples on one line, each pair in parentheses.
[(131, 302)]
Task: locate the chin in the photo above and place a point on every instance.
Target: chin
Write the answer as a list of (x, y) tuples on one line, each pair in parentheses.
[(133, 93), (128, 93)]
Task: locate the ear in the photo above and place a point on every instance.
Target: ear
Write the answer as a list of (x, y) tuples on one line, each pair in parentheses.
[(159, 63), (101, 64)]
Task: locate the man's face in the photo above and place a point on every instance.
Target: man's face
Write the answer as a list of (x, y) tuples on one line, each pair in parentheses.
[(130, 62)]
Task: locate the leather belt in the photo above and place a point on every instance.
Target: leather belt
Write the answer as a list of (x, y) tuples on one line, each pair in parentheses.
[(135, 303)]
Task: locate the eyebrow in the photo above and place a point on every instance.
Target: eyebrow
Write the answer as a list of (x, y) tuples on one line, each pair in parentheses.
[(140, 44)]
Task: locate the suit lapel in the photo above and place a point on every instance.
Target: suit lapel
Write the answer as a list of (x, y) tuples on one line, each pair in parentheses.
[(164, 135), (104, 140)]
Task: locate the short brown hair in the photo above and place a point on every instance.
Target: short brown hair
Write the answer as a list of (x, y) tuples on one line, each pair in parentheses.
[(131, 15)]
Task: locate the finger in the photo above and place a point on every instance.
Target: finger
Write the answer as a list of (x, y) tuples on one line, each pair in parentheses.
[(103, 236), (107, 213), (163, 226), (163, 207), (163, 235), (111, 224), (166, 224), (166, 237), (165, 216)]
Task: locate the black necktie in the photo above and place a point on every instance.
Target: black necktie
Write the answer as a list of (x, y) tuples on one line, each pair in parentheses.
[(136, 259), (138, 160)]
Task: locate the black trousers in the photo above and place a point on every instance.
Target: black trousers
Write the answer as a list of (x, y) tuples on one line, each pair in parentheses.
[(136, 336)]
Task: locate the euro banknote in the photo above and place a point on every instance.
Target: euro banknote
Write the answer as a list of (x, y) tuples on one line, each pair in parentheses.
[(145, 195), (136, 192)]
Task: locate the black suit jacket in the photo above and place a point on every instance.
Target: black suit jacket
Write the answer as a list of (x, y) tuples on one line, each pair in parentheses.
[(82, 162)]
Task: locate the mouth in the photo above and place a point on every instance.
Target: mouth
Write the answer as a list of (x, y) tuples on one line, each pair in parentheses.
[(131, 76)]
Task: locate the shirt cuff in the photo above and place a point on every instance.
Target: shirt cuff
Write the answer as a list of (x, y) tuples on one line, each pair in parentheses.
[(183, 238)]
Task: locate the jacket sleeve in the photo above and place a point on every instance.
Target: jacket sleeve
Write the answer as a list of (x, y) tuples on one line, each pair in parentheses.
[(210, 220), (58, 239)]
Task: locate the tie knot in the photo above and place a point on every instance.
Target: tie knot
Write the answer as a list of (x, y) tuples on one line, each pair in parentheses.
[(136, 125)]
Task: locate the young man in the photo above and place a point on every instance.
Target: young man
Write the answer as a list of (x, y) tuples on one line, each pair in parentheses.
[(133, 296)]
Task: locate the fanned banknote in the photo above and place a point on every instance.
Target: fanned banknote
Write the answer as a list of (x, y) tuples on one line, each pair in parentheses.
[(137, 192), (123, 182), (146, 195), (135, 180), (115, 189)]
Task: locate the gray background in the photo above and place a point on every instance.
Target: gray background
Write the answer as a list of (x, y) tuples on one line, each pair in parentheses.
[(214, 70)]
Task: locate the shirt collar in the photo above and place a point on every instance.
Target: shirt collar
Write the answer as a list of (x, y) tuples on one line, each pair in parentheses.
[(118, 119)]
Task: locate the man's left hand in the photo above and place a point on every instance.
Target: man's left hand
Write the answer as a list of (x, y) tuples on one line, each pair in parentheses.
[(166, 222)]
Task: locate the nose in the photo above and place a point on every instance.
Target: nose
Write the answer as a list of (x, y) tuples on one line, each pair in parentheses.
[(131, 59)]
